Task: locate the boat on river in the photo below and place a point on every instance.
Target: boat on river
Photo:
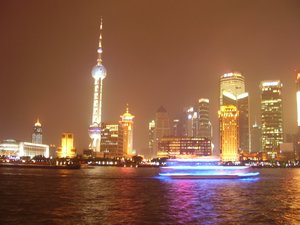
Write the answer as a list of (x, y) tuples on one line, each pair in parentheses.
[(204, 168)]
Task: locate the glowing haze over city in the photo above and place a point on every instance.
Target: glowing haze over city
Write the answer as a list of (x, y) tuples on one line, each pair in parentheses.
[(156, 53)]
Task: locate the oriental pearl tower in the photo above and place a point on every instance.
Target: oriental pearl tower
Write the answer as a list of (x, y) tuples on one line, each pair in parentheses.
[(98, 73)]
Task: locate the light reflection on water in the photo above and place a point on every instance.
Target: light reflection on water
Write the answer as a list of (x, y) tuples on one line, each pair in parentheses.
[(114, 195)]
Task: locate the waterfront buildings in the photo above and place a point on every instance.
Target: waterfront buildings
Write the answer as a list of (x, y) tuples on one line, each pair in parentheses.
[(229, 133), (37, 135), (127, 125), (271, 116), (98, 73), (13, 148), (67, 149), (112, 140), (184, 147)]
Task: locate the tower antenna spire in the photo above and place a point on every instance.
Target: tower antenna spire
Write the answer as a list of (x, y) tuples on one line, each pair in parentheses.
[(100, 50)]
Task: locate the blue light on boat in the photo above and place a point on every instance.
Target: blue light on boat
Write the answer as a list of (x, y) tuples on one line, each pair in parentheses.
[(203, 168)]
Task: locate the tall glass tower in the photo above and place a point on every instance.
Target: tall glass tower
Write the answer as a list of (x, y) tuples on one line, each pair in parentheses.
[(271, 115), (98, 73)]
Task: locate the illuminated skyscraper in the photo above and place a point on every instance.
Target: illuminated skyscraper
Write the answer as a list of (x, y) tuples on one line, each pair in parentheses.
[(151, 136), (242, 103), (229, 135), (37, 135), (232, 92), (98, 73), (233, 83), (192, 122), (204, 127), (127, 124), (67, 149), (162, 127), (112, 140), (271, 115), (298, 100)]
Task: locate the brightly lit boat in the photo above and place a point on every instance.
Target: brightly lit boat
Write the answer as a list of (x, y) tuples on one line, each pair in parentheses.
[(204, 168)]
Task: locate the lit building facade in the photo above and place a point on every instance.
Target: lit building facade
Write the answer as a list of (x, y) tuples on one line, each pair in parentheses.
[(298, 100), (67, 149), (204, 127), (232, 92), (98, 73), (242, 103), (127, 124), (151, 130), (271, 115), (233, 83), (13, 148), (229, 133), (162, 127), (173, 147), (297, 144), (192, 122), (112, 140), (37, 135)]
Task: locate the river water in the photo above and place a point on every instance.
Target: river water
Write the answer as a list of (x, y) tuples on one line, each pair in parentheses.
[(114, 195)]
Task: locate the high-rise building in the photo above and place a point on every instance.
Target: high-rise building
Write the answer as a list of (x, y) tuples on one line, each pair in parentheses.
[(98, 73), (191, 122), (112, 140), (255, 138), (242, 103), (232, 92), (204, 127), (151, 130), (298, 100), (127, 124), (297, 145), (67, 149), (162, 127), (229, 135), (37, 135), (271, 115), (233, 83)]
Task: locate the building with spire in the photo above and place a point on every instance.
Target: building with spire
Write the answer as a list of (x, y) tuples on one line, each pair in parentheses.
[(127, 125), (98, 73), (37, 135)]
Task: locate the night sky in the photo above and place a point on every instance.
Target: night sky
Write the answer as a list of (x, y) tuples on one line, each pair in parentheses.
[(156, 52)]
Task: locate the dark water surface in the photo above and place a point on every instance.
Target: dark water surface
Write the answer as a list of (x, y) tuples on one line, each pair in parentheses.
[(111, 195)]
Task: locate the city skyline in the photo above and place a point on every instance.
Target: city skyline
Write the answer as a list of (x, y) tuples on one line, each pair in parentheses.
[(172, 58)]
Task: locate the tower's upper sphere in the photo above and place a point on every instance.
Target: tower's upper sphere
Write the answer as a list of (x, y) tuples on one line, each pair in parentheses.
[(99, 72)]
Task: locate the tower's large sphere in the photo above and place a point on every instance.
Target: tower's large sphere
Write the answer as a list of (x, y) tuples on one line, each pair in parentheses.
[(99, 72)]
